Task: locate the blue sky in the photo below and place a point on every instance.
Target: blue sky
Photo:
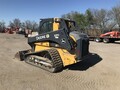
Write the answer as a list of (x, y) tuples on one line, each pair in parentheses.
[(36, 9)]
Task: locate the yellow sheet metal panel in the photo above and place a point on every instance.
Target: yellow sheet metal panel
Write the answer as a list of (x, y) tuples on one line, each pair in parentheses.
[(43, 43), (56, 25), (66, 57), (39, 48)]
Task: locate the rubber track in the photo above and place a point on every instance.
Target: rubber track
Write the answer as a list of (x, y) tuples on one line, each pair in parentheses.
[(56, 61)]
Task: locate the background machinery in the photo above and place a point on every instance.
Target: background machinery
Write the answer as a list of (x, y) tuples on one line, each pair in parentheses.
[(12, 30), (108, 37), (57, 45)]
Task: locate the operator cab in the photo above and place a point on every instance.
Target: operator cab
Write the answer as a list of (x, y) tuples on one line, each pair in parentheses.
[(54, 24)]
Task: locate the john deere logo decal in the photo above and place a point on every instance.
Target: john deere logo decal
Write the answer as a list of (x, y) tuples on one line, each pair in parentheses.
[(47, 35)]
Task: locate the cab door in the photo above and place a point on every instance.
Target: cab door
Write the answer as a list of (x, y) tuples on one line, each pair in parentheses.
[(46, 25)]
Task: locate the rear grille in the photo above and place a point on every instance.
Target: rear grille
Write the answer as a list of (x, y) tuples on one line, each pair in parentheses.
[(85, 47), (82, 48)]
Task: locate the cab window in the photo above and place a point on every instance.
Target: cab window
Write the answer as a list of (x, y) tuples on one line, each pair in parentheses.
[(47, 26)]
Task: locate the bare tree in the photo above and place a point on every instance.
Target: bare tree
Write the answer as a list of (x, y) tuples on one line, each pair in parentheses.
[(32, 25), (28, 24), (111, 23), (2, 26), (100, 19), (35, 26), (116, 15), (11, 24), (15, 23)]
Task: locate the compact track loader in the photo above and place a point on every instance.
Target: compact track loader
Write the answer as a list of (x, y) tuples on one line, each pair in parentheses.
[(58, 44)]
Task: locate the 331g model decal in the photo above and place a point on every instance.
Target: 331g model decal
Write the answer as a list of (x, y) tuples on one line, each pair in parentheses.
[(56, 36)]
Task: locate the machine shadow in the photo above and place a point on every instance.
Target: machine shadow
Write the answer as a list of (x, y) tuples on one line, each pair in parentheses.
[(92, 60)]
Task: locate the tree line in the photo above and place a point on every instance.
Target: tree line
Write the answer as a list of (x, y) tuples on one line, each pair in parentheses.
[(93, 21), (31, 25), (96, 21)]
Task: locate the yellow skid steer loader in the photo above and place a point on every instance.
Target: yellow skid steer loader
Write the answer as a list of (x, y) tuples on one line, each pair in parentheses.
[(58, 44)]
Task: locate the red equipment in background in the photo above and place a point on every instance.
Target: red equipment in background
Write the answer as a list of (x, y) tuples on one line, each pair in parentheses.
[(11, 30), (113, 34), (108, 37)]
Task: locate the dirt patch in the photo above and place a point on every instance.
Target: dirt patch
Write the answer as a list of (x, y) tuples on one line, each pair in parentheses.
[(99, 72)]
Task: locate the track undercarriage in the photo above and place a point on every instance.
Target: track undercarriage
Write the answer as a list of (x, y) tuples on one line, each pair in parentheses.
[(47, 59)]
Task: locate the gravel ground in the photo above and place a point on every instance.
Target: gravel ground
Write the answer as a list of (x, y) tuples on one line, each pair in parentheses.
[(101, 71)]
